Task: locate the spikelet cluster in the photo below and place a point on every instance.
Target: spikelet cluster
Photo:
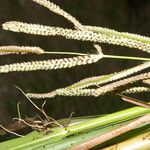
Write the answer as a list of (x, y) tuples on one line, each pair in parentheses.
[(43, 95), (136, 90), (51, 64), (75, 34), (12, 49)]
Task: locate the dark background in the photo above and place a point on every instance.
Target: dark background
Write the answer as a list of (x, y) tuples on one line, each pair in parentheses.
[(122, 15)]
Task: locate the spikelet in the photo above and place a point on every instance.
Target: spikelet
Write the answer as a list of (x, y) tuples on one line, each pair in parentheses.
[(12, 49), (136, 90), (51, 64), (75, 34), (146, 81)]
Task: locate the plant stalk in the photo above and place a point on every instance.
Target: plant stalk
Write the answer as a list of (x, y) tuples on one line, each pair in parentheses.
[(60, 133)]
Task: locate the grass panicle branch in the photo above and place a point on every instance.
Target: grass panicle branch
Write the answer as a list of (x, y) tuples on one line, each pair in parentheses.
[(98, 80), (119, 34), (12, 49), (51, 64), (75, 34), (106, 88), (136, 90), (56, 9), (92, 81), (91, 92)]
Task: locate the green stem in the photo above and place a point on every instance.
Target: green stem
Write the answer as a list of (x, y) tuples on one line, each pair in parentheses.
[(126, 57), (66, 53), (101, 121), (105, 56), (29, 142)]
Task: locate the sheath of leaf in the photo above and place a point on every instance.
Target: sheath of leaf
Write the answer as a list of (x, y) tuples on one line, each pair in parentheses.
[(12, 49), (146, 81), (105, 89), (76, 35), (52, 64), (136, 90), (92, 81)]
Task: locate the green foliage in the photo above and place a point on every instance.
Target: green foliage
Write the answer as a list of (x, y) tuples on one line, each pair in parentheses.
[(87, 129)]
